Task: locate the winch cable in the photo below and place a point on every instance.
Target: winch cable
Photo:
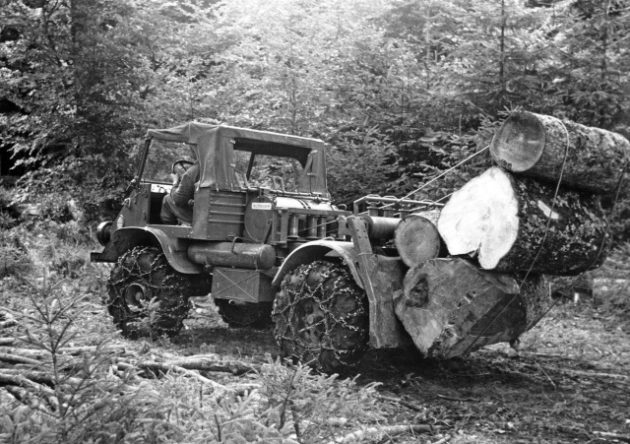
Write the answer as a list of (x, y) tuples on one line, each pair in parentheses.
[(441, 175)]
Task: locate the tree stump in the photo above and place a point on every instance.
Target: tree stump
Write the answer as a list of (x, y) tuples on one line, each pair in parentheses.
[(536, 146), (515, 225)]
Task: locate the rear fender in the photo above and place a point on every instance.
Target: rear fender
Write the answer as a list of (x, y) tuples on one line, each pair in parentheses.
[(320, 249), (173, 247)]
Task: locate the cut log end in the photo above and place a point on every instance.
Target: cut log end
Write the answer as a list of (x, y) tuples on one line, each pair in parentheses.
[(417, 240), (482, 217), (449, 307), (519, 143)]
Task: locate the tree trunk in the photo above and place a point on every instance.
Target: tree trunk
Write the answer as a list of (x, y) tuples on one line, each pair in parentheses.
[(417, 239), (450, 308), (517, 226), (536, 145)]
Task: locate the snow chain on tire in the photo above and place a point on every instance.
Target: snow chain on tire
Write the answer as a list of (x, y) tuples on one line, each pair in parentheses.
[(164, 303), (321, 316)]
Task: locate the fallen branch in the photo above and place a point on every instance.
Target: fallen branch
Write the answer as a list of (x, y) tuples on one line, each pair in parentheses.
[(41, 377), (7, 324), (616, 436), (162, 367), (27, 398), (403, 403), (20, 381), (7, 341), (202, 363), (387, 430), (16, 359), (455, 398), (443, 440), (25, 352)]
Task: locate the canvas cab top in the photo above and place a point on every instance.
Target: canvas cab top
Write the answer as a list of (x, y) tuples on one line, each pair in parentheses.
[(230, 157)]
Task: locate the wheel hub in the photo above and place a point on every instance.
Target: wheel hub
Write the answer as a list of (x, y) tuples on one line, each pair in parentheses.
[(136, 295)]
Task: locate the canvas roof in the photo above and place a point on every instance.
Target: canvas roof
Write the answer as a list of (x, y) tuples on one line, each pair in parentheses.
[(215, 145)]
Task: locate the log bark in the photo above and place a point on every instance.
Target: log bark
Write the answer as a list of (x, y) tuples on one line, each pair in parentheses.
[(515, 225), (417, 240), (450, 308), (535, 145)]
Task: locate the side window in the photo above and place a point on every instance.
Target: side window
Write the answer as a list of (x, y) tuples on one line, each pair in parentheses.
[(265, 171), (161, 157)]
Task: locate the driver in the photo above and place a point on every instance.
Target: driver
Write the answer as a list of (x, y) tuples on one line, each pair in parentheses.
[(177, 205)]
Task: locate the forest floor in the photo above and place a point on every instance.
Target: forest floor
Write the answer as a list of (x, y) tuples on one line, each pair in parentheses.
[(569, 382)]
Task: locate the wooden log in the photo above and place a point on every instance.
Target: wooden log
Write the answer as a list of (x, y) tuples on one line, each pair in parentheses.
[(535, 145), (516, 226), (417, 239), (450, 308)]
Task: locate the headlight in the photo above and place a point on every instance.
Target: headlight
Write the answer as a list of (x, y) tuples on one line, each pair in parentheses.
[(103, 232), (120, 222)]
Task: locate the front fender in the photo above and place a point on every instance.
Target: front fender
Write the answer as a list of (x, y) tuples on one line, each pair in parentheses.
[(170, 239), (319, 249)]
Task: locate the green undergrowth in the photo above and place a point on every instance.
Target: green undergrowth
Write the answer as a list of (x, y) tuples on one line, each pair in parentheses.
[(49, 287)]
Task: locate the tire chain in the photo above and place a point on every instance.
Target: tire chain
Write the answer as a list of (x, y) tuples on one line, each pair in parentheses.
[(344, 355), (169, 311)]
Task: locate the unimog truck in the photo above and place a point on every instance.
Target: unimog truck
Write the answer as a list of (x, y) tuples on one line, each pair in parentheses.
[(264, 234), (269, 245)]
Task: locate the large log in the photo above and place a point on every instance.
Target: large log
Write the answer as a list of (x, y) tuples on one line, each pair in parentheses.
[(417, 238), (535, 145), (450, 308), (515, 225)]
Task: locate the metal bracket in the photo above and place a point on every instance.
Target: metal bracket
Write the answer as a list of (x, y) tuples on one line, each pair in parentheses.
[(381, 276)]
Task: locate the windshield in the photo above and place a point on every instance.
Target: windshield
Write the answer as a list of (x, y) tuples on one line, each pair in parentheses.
[(164, 157)]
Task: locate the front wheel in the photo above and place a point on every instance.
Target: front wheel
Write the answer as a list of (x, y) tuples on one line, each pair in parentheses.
[(147, 297), (321, 317)]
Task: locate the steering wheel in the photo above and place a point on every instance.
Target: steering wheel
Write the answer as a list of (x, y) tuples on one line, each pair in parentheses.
[(185, 163)]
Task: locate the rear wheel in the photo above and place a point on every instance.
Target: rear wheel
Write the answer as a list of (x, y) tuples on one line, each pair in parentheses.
[(244, 314), (321, 317), (147, 297)]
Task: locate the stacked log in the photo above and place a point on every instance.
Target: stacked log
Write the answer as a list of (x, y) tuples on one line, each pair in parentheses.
[(520, 225), (449, 307), (536, 213), (591, 159)]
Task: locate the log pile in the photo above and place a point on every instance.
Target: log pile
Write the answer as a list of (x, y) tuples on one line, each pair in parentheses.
[(477, 269)]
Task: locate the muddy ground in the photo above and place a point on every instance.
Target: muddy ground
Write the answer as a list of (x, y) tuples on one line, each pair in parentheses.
[(569, 382)]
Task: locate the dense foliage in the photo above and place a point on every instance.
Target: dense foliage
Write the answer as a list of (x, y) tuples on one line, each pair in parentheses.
[(399, 88)]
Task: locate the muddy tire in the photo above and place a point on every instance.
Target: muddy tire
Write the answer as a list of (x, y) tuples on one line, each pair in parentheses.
[(146, 297), (321, 317), (236, 315)]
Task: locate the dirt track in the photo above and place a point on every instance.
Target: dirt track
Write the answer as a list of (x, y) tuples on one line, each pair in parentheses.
[(569, 382)]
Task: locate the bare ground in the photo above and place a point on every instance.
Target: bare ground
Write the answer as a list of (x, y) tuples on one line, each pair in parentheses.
[(569, 382)]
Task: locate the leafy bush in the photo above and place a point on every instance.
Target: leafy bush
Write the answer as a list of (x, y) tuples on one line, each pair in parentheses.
[(9, 216), (14, 257)]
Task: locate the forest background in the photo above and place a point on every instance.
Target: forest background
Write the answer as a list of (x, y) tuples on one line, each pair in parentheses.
[(400, 89)]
